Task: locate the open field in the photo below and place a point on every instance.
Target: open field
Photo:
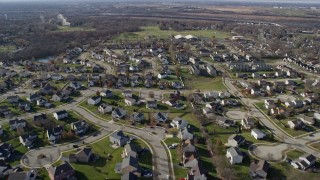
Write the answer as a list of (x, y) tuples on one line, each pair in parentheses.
[(154, 31), (7, 48)]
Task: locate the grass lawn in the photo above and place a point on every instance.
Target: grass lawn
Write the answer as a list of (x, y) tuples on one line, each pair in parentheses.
[(70, 29), (43, 173), (294, 154), (316, 145), (7, 48), (155, 32), (108, 158)]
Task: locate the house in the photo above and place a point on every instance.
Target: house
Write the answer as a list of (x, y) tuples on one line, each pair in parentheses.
[(194, 60), (259, 170), (28, 139), (59, 97), (222, 121), (33, 97), (118, 138), (130, 150), (151, 104), (118, 113), (5, 169), (40, 119), (80, 127), (162, 76), (83, 155), (187, 146), (257, 134), (76, 85), (56, 77), (234, 155), (13, 99), (15, 174), (235, 140), (304, 162), (94, 100), (269, 104), (295, 124), (196, 173), (248, 123), (161, 117), (127, 93), (185, 134), (179, 123), (17, 124), (316, 116), (171, 103), (295, 103), (129, 176), (106, 93), (24, 106), (137, 117), (130, 101), (130, 165), (6, 150), (306, 119), (54, 134), (60, 114), (46, 90), (105, 108), (1, 130), (189, 159), (61, 172)]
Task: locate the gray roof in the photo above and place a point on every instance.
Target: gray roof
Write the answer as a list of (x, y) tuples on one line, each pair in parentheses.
[(234, 151)]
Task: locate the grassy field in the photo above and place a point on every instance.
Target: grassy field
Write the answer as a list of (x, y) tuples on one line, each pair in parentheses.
[(155, 32), (294, 154), (70, 29), (103, 168), (7, 48)]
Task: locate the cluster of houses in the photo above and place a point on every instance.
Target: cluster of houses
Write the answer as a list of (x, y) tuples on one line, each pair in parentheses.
[(190, 156), (129, 168), (312, 66)]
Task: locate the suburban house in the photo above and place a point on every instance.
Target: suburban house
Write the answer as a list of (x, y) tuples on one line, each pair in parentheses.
[(94, 100), (235, 140), (17, 124), (234, 155), (129, 176), (248, 123), (105, 108), (60, 172), (13, 99), (304, 162), (127, 93), (306, 119), (294, 103), (223, 121), (130, 165), (179, 123), (137, 117), (259, 170), (76, 85), (151, 104), (59, 97), (40, 119), (33, 97), (28, 140), (106, 93), (295, 124), (185, 134), (257, 134), (130, 101), (54, 134), (196, 173), (83, 155), (161, 117), (80, 127), (189, 159), (6, 150), (118, 138), (130, 150), (118, 113), (60, 114)]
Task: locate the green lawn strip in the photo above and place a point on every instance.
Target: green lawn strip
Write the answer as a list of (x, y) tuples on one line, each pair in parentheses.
[(316, 145), (294, 154)]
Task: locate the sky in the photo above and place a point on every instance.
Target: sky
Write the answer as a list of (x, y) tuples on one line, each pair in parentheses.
[(282, 1)]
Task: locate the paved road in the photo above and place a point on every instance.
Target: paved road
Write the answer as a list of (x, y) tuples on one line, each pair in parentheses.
[(160, 158), (299, 143)]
